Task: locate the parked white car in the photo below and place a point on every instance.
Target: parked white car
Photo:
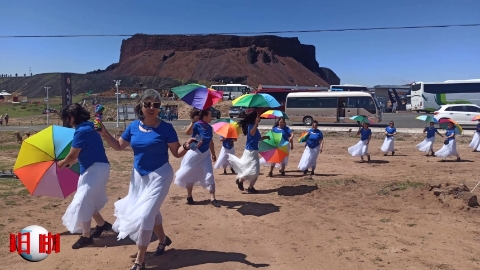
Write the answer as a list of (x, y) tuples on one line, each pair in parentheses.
[(461, 113)]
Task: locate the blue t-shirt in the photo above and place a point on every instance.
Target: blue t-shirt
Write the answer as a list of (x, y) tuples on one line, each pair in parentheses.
[(227, 143), (390, 130), (314, 137), (365, 134), (206, 131), (431, 132), (450, 132), (286, 132), (89, 141), (252, 141), (150, 149)]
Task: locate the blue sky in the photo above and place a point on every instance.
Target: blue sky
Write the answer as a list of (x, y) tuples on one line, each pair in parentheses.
[(366, 57)]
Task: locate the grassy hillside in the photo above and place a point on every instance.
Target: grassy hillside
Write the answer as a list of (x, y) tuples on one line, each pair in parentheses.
[(33, 87)]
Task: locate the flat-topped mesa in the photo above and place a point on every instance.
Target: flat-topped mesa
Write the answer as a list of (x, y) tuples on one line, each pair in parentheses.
[(195, 57)]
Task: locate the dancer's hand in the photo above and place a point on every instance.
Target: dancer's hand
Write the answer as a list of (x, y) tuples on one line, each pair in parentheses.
[(192, 140), (61, 164), (291, 146), (257, 120), (214, 158), (103, 131)]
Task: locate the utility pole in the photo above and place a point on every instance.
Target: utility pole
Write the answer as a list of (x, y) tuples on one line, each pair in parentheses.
[(117, 83), (48, 109)]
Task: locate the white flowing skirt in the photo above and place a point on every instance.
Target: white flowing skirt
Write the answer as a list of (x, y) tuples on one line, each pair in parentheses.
[(388, 145), (284, 162), (222, 160), (309, 158), (359, 150), (448, 150), (247, 167), (475, 144), (139, 211), (426, 145), (90, 197), (197, 169)]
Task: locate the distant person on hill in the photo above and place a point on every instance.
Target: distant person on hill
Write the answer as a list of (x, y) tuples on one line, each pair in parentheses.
[(427, 144), (1, 120), (6, 119)]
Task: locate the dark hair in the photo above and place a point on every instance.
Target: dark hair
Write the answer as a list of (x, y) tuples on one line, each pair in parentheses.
[(203, 113), (366, 123), (391, 122), (248, 120), (315, 122), (278, 121), (147, 94), (194, 112), (77, 111)]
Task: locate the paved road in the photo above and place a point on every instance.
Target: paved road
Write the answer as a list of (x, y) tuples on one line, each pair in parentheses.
[(402, 120)]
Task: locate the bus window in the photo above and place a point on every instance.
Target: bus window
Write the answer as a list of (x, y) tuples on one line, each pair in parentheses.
[(416, 87), (352, 102), (367, 104)]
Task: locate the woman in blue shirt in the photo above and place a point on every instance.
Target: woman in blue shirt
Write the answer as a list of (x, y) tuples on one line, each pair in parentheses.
[(287, 134), (227, 148), (475, 144), (196, 167), (361, 148), (248, 166), (449, 148), (389, 143), (427, 144), (90, 198), (313, 147), (138, 214)]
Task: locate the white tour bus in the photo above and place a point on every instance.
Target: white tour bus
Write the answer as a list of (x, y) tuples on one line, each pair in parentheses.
[(331, 107), (428, 97), (348, 87), (235, 90)]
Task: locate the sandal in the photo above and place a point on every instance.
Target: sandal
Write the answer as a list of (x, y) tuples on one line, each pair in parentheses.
[(137, 266), (161, 247)]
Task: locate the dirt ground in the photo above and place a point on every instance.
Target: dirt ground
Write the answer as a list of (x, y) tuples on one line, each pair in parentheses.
[(349, 215)]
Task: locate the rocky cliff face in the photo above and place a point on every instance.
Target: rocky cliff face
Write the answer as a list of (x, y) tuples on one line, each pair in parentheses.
[(259, 59)]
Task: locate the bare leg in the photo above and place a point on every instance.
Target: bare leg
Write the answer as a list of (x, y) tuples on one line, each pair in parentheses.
[(189, 190), (141, 255), (158, 230), (98, 218), (86, 228)]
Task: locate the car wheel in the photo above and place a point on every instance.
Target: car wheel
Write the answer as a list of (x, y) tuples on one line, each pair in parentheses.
[(307, 120)]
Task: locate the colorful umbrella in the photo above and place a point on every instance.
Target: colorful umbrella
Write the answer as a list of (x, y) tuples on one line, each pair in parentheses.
[(198, 96), (227, 129), (275, 149), (476, 118), (444, 124), (427, 118), (361, 119), (303, 137), (256, 101), (36, 164), (272, 114)]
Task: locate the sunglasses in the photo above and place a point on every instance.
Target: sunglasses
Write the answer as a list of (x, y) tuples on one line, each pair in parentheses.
[(148, 105)]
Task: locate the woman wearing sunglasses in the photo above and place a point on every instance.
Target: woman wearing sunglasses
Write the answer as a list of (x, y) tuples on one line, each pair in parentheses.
[(449, 148), (138, 214), (196, 167)]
